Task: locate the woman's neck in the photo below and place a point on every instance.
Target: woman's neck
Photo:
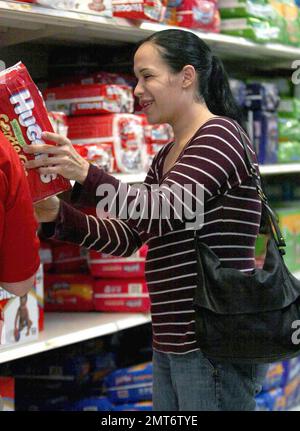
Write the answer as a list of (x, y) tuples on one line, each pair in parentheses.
[(188, 124)]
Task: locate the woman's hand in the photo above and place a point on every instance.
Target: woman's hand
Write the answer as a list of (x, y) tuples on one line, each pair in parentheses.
[(47, 210), (64, 158)]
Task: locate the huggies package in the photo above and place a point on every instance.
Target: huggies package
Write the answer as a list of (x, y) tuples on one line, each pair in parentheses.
[(98, 7), (199, 14), (153, 10), (23, 118)]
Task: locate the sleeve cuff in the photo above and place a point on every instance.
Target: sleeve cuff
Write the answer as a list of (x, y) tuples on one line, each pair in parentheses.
[(85, 194)]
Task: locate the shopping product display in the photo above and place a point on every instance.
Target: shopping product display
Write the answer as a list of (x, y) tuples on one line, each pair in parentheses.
[(23, 119), (7, 394), (199, 14), (98, 7), (153, 10)]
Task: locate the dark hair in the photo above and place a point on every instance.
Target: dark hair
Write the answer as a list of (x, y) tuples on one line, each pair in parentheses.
[(179, 48)]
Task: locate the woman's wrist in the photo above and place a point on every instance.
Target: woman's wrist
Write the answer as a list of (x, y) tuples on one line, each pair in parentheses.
[(83, 173)]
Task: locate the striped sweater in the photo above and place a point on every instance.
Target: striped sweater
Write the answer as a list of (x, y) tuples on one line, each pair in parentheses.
[(214, 158)]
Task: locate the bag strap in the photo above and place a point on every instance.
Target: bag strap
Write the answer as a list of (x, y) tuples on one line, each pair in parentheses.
[(275, 229)]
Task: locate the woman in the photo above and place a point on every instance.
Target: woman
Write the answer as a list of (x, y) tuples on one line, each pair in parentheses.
[(182, 83)]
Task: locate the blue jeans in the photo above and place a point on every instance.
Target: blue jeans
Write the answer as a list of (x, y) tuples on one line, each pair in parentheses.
[(193, 382)]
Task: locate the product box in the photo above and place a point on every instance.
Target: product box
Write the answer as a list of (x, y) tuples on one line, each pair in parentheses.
[(68, 292), (7, 394), (23, 118), (20, 318), (134, 407), (262, 96), (106, 266), (99, 154), (263, 129), (39, 290), (129, 295), (199, 14), (97, 7), (246, 8), (59, 122), (121, 134), (97, 404), (68, 258), (255, 29), (153, 10), (90, 99)]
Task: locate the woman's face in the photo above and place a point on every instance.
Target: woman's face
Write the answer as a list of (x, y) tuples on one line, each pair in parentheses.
[(158, 89)]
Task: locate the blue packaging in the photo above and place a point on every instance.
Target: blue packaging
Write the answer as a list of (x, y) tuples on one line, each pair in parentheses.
[(292, 369), (238, 89), (130, 393), (136, 407), (99, 404), (138, 374), (101, 365), (273, 400), (275, 376), (262, 96), (263, 130)]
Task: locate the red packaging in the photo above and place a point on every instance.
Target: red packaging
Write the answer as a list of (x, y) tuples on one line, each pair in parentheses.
[(98, 154), (121, 295), (199, 14), (153, 10), (102, 77), (123, 132), (158, 133), (68, 292), (68, 258), (106, 266), (23, 118), (90, 99), (7, 394)]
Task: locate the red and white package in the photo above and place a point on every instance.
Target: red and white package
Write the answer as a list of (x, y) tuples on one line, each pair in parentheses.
[(59, 122), (199, 14), (23, 118), (124, 132), (158, 133), (98, 7), (68, 292), (90, 99), (129, 295), (68, 258), (153, 10), (106, 266), (103, 77), (98, 154)]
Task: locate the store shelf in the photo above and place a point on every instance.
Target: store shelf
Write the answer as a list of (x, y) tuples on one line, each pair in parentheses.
[(62, 329), (34, 22), (287, 168)]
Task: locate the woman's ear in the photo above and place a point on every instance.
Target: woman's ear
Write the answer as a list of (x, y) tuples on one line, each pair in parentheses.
[(189, 76)]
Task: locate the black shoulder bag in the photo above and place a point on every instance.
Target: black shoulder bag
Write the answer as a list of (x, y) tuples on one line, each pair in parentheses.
[(248, 318)]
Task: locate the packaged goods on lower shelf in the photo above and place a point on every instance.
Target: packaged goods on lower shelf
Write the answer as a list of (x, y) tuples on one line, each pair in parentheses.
[(19, 318), (7, 394), (120, 135), (130, 385), (68, 258), (100, 404), (128, 295), (68, 292), (288, 152), (262, 96), (89, 99), (23, 119), (153, 10), (135, 407), (106, 266), (263, 128), (102, 8), (199, 14)]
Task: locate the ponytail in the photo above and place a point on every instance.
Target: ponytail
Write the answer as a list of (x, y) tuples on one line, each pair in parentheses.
[(217, 94)]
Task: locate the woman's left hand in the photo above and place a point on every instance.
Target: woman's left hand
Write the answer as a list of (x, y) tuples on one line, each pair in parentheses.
[(64, 158)]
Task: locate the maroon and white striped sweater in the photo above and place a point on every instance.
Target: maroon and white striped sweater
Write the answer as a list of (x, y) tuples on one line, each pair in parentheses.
[(214, 158)]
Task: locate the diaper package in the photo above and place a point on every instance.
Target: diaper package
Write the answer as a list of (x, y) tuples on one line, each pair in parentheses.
[(89, 99), (130, 385), (263, 127), (153, 10), (23, 118), (92, 404), (199, 14), (59, 122), (7, 394), (121, 136), (68, 258), (262, 96), (130, 295), (19, 318), (98, 7), (134, 407), (246, 8), (106, 266), (68, 292)]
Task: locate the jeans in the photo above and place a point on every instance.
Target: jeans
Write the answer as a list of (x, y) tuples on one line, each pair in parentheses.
[(194, 382)]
